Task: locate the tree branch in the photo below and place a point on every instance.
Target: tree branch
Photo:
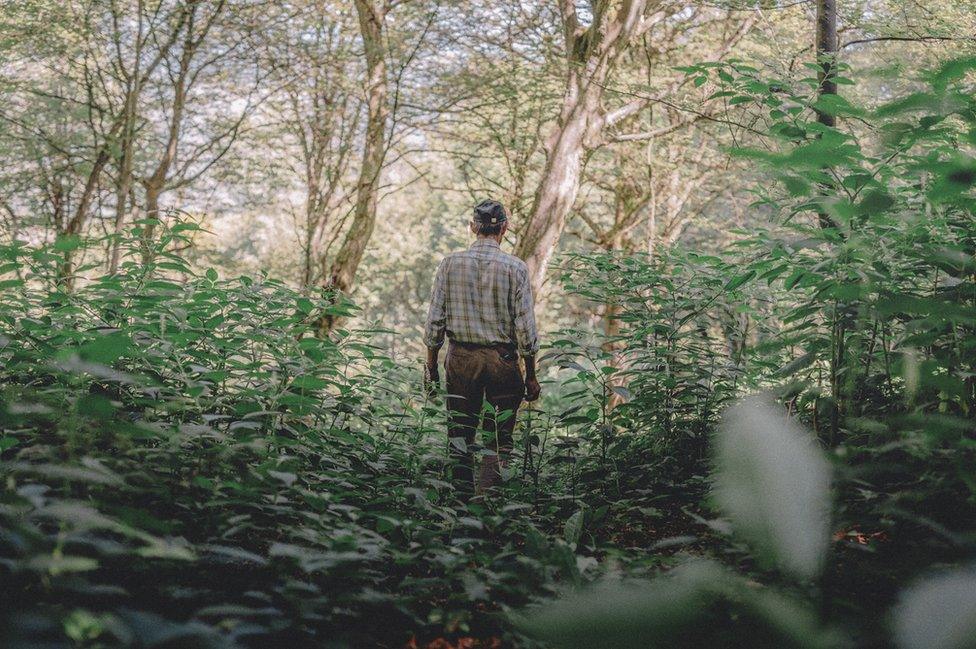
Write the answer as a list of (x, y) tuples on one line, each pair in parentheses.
[(916, 39)]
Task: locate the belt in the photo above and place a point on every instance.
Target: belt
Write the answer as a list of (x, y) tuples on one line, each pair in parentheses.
[(509, 347)]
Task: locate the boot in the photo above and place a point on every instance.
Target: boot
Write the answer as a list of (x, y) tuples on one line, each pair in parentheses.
[(490, 473)]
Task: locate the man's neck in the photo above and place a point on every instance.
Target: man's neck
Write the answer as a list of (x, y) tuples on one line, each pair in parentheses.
[(497, 238)]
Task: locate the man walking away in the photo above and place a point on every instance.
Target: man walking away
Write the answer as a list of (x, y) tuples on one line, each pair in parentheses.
[(482, 301)]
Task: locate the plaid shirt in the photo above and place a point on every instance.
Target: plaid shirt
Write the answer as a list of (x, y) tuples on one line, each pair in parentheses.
[(482, 295)]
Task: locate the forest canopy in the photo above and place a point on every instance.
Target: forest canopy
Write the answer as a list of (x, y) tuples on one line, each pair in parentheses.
[(748, 228)]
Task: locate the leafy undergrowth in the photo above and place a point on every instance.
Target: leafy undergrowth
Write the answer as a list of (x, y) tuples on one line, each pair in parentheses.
[(186, 465)]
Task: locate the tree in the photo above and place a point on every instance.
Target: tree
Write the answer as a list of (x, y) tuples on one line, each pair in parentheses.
[(132, 73), (78, 121), (591, 54), (342, 272), (322, 111), (188, 139), (493, 102)]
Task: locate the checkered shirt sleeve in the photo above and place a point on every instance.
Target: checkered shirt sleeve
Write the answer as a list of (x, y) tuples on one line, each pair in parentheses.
[(437, 313)]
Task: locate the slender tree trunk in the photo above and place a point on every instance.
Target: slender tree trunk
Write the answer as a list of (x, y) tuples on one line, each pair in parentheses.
[(827, 61), (157, 182), (826, 53), (153, 191), (122, 124), (315, 217), (342, 273), (307, 254), (611, 330), (592, 55), (124, 185), (125, 180), (75, 226), (826, 46), (121, 210)]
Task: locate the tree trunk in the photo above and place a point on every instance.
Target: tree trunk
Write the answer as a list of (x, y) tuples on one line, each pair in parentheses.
[(124, 185), (308, 254), (826, 53), (159, 181), (153, 191), (75, 226), (155, 184), (558, 187), (591, 55), (826, 61), (125, 179), (611, 330), (342, 272)]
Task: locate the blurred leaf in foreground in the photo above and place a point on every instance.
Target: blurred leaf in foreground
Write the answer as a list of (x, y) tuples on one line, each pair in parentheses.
[(773, 482), (939, 613), (699, 604)]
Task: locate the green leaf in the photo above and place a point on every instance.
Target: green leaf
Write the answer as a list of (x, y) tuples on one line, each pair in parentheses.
[(938, 613), (68, 242), (773, 483), (573, 528), (698, 604), (739, 280), (58, 564), (616, 616)]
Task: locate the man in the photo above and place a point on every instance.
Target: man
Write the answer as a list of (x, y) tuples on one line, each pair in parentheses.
[(482, 301)]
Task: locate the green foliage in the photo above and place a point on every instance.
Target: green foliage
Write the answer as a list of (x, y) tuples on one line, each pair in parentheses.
[(695, 605), (857, 310), (774, 485), (677, 372), (939, 613), (185, 463)]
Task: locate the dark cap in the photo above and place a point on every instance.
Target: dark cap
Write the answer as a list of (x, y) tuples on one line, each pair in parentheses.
[(489, 212)]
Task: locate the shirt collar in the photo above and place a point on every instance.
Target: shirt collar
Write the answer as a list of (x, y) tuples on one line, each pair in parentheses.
[(480, 243)]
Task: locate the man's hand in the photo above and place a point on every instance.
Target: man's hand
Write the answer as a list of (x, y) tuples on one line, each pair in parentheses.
[(432, 381), (532, 387), (432, 378)]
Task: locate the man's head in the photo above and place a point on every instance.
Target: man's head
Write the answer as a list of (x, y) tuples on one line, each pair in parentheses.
[(489, 219)]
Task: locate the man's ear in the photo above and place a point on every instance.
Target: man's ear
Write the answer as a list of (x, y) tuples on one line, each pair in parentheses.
[(504, 228), (474, 227)]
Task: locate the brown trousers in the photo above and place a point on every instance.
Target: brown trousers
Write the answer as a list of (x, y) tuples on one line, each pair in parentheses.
[(477, 374)]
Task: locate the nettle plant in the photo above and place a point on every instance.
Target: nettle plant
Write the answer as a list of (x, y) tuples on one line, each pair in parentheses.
[(773, 483), (186, 462), (873, 253), (877, 302), (678, 350), (870, 302)]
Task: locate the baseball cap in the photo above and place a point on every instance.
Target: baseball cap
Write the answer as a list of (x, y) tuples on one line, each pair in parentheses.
[(489, 212)]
